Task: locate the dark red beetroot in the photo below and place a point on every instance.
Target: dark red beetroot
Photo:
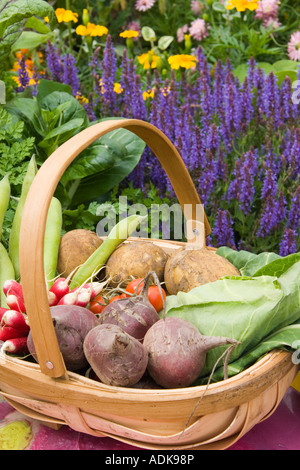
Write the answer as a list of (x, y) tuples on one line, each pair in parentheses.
[(177, 351), (135, 314), (116, 357), (71, 323)]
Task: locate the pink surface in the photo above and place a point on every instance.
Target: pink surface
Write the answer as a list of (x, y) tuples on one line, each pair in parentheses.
[(279, 432)]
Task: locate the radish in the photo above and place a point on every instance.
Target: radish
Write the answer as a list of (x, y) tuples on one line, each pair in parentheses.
[(7, 332), (16, 320), (2, 312), (52, 299), (13, 287), (177, 351), (15, 303), (15, 346), (60, 288)]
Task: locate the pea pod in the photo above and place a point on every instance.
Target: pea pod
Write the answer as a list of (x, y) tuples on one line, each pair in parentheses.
[(118, 234), (52, 239), (15, 230), (6, 272), (4, 199)]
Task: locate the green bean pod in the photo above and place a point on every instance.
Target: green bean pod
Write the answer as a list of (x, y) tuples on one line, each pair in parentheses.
[(96, 261), (4, 199), (13, 248), (52, 239), (7, 272)]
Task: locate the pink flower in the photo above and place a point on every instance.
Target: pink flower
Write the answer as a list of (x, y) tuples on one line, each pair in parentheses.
[(271, 22), (143, 5), (267, 9), (181, 32), (196, 7), (198, 29), (294, 46)]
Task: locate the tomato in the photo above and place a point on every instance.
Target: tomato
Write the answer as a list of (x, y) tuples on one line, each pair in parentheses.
[(131, 287), (98, 304), (118, 297), (154, 295)]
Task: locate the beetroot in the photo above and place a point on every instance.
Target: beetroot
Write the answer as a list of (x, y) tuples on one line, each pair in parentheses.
[(135, 314), (71, 323), (116, 357), (177, 351)]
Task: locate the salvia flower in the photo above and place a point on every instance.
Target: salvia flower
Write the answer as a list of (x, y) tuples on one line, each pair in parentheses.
[(294, 213), (223, 229), (54, 62), (23, 76), (288, 244), (70, 73)]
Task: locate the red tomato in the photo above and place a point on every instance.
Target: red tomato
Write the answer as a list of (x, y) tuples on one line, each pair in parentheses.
[(118, 297), (154, 297), (98, 304), (131, 287), (153, 293)]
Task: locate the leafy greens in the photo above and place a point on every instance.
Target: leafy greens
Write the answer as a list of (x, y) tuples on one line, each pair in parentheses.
[(260, 308)]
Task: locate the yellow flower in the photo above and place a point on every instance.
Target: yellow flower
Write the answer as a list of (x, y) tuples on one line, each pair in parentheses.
[(182, 60), (65, 16), (129, 33), (242, 5), (117, 88), (148, 60), (148, 94), (81, 98), (91, 30)]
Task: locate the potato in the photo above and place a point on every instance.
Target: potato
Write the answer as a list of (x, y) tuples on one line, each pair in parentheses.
[(186, 269), (135, 260), (75, 248)]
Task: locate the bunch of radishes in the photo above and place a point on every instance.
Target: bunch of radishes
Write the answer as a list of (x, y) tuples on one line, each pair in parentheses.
[(14, 327)]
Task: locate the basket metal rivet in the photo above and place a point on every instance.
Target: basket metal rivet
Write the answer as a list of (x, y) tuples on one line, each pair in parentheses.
[(196, 231), (49, 365)]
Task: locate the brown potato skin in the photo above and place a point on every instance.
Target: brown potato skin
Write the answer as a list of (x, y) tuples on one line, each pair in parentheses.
[(186, 269), (135, 260), (76, 246)]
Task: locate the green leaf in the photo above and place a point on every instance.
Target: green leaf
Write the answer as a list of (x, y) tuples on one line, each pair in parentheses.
[(14, 11), (279, 266), (164, 42), (30, 40), (253, 265), (64, 132), (148, 33), (46, 87), (104, 164), (38, 25)]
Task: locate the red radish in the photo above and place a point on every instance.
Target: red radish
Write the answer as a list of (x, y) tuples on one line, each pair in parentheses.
[(2, 312), (52, 299), (7, 332), (94, 287), (83, 298), (16, 320), (13, 287), (60, 288), (15, 303), (15, 346)]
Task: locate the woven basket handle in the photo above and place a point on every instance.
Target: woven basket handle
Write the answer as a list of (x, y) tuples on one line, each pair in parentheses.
[(35, 216)]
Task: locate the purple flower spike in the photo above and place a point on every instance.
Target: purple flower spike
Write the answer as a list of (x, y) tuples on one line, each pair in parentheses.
[(23, 75), (294, 213), (223, 231), (70, 75), (288, 243), (54, 62)]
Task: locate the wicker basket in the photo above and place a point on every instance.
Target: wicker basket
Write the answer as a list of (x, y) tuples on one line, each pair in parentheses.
[(187, 418)]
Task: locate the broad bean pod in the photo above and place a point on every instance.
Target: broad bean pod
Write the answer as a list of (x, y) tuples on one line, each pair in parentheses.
[(52, 239), (15, 230)]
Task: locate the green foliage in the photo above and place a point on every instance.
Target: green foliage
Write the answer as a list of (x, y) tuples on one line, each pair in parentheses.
[(15, 150), (13, 16)]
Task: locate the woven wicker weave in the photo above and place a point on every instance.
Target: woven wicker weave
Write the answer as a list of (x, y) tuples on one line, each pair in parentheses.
[(187, 418)]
